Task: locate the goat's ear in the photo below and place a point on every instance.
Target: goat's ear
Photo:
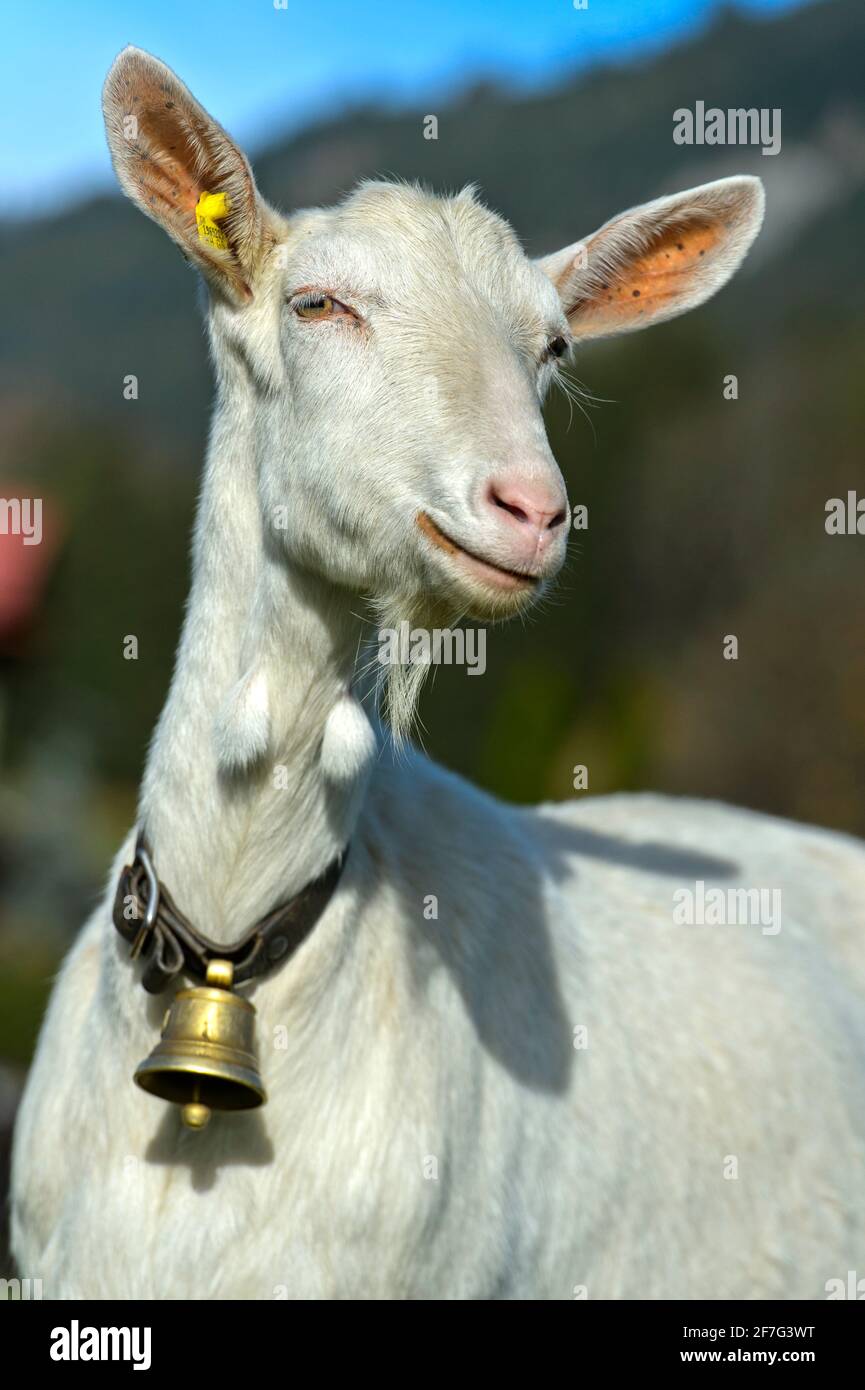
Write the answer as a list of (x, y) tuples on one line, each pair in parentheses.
[(167, 153), (657, 260)]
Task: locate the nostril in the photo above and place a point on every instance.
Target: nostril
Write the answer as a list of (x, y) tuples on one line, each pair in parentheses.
[(557, 520), (515, 510)]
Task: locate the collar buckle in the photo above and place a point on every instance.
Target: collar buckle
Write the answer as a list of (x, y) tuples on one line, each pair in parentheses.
[(152, 908)]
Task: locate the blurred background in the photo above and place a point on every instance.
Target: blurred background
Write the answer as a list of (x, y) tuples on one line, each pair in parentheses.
[(706, 515)]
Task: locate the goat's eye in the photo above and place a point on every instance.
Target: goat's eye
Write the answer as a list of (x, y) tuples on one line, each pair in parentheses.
[(317, 306), (557, 347)]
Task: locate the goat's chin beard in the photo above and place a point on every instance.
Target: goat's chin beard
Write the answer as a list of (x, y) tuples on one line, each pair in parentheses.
[(399, 684)]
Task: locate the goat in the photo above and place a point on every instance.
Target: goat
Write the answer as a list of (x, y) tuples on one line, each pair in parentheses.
[(547, 1086)]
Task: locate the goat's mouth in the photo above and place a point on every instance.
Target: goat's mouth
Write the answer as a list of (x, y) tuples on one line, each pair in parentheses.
[(487, 571)]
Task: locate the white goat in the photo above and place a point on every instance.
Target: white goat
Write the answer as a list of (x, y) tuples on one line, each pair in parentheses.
[(553, 1086)]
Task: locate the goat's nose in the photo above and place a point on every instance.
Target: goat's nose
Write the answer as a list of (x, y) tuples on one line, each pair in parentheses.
[(534, 506)]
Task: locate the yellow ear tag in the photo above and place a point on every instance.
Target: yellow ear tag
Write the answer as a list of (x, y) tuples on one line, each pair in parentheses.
[(209, 210)]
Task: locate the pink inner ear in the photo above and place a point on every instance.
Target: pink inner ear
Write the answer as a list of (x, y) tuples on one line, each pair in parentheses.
[(653, 279), (167, 156)]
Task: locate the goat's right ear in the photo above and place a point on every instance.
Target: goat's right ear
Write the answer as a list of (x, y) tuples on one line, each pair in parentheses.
[(168, 154)]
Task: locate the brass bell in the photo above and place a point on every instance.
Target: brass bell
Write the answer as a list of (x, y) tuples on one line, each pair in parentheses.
[(206, 1058)]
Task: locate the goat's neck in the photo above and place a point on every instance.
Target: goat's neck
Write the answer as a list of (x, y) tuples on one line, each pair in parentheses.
[(230, 845)]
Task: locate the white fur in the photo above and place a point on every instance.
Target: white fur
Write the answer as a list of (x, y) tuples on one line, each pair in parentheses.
[(243, 724), (432, 1130), (348, 744)]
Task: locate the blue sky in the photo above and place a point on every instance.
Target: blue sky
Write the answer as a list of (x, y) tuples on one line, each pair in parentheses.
[(263, 70)]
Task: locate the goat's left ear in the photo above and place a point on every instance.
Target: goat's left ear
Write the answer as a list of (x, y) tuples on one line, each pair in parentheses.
[(657, 260), (168, 152)]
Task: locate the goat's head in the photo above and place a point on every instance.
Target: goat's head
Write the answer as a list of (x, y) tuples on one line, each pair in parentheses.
[(398, 348)]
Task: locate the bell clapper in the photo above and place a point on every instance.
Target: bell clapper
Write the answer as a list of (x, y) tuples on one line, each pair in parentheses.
[(195, 1115)]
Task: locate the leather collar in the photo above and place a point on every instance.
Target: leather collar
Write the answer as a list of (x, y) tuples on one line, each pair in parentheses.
[(146, 917)]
